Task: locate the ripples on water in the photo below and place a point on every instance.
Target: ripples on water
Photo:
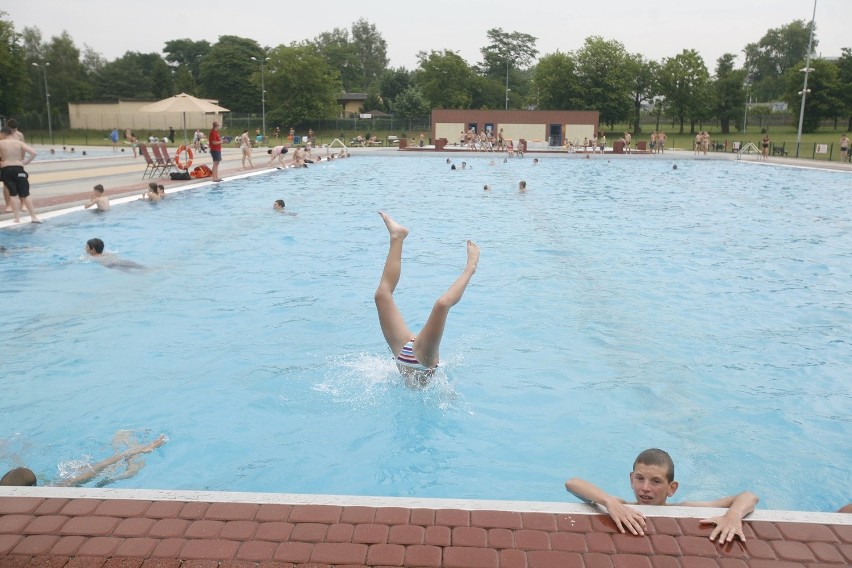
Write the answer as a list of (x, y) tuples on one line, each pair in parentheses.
[(617, 306)]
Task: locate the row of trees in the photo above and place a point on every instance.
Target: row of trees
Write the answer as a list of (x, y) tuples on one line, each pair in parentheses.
[(304, 79)]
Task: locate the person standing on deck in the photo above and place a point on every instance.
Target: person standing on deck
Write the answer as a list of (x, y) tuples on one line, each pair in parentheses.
[(215, 141)]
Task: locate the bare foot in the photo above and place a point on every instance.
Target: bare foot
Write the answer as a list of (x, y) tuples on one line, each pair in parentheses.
[(472, 255), (396, 230)]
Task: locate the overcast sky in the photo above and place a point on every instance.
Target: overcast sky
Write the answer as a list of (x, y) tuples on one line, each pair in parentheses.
[(654, 28)]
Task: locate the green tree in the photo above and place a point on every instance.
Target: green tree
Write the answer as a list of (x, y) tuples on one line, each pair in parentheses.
[(394, 82), (555, 80), (224, 71), (823, 101), (445, 78), (844, 76), (768, 60), (162, 82), (488, 93), (643, 85), (122, 78), (684, 82), (605, 79), (729, 92), (68, 80), (340, 54), (301, 85), (184, 82), (371, 51), (504, 59), (92, 61), (411, 104), (373, 101), (513, 48), (134, 76), (15, 85), (187, 55)]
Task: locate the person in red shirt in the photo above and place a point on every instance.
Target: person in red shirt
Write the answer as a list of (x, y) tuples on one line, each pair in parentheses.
[(215, 142)]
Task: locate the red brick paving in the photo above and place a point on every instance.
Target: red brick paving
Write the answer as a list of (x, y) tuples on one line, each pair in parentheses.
[(124, 533)]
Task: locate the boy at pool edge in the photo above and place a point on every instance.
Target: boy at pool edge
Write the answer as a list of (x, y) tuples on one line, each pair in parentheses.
[(652, 480), (98, 199)]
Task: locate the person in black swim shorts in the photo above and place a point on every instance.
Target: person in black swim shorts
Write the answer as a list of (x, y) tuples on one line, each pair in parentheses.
[(14, 155)]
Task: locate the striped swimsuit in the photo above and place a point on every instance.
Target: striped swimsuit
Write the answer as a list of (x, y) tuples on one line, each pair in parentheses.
[(406, 359)]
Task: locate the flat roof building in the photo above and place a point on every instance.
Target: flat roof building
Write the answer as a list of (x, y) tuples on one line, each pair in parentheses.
[(539, 128)]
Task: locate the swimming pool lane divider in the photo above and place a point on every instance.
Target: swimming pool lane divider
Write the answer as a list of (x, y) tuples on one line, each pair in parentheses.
[(134, 197), (407, 503)]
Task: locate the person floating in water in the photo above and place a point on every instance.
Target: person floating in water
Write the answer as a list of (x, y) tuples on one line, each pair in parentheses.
[(23, 477), (416, 357)]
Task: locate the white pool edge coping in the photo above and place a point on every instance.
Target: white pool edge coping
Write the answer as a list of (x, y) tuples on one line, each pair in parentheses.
[(134, 197), (405, 502)]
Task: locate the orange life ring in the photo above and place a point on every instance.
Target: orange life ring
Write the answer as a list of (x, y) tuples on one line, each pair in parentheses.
[(188, 163)]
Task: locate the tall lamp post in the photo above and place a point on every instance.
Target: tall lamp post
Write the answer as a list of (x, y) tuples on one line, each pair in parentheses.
[(46, 98), (262, 93), (507, 83), (804, 92)]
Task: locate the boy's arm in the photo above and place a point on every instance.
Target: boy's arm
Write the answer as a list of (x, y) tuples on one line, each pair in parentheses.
[(624, 516), (730, 524), (31, 153)]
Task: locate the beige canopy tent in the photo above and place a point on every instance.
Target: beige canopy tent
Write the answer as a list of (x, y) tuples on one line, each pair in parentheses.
[(183, 103)]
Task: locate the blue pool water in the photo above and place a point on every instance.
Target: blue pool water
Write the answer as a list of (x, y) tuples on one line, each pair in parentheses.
[(78, 153), (618, 306)]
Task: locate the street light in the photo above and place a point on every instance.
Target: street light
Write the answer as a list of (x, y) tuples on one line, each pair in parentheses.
[(804, 92), (507, 83), (46, 98), (262, 93)]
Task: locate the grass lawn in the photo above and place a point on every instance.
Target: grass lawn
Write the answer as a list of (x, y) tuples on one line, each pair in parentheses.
[(784, 136)]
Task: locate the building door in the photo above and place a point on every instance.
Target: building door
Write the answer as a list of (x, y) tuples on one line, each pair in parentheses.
[(555, 134), (471, 126)]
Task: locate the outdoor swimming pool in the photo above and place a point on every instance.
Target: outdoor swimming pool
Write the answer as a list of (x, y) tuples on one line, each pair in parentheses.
[(617, 306)]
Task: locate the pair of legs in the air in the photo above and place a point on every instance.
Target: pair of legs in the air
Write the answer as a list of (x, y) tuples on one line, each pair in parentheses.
[(397, 334)]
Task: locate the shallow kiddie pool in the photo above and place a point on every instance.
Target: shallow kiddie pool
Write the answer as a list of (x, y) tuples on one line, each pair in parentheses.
[(617, 306)]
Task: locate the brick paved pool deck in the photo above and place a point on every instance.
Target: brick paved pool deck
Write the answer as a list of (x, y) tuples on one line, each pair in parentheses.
[(115, 528)]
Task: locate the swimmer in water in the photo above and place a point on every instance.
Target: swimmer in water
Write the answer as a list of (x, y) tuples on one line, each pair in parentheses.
[(95, 248), (416, 357), (24, 477)]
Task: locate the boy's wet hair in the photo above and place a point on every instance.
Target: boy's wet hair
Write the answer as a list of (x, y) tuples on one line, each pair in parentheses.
[(654, 456), (96, 245), (99, 188), (152, 186), (19, 477), (280, 202)]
